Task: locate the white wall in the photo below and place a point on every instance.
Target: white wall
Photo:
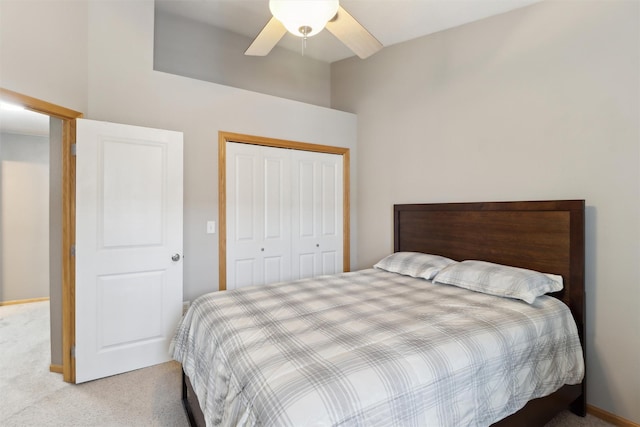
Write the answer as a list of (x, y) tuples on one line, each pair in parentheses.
[(539, 103), (24, 217), (43, 50), (190, 48)]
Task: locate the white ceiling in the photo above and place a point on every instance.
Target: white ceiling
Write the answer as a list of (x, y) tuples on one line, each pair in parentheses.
[(390, 21)]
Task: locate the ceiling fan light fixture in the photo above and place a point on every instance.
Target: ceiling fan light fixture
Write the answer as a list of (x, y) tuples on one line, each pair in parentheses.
[(304, 18)]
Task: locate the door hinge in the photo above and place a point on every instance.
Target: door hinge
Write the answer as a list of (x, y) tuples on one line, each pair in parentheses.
[(73, 250), (73, 351), (73, 149)]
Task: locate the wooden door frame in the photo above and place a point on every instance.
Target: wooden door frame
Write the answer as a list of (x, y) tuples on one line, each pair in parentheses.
[(68, 118), (223, 138)]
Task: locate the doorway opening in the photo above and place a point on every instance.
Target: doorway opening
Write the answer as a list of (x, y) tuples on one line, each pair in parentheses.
[(24, 205), (25, 186), (66, 309)]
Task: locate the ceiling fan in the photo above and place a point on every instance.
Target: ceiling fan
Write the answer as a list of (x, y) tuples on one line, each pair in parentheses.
[(305, 18)]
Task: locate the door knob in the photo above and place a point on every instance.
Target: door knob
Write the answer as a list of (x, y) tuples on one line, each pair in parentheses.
[(176, 257)]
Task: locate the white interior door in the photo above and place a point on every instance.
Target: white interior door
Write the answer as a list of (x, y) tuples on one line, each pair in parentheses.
[(258, 215), (317, 214), (128, 246)]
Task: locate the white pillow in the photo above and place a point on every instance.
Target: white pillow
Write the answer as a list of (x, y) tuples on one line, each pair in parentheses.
[(499, 280), (414, 264)]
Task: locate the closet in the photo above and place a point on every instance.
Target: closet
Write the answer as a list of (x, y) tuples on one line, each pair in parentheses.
[(284, 214)]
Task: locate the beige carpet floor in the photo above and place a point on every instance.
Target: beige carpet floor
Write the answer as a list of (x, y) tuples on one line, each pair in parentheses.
[(30, 395)]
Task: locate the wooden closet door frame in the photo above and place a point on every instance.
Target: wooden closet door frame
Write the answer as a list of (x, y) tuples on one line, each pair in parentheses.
[(223, 138)]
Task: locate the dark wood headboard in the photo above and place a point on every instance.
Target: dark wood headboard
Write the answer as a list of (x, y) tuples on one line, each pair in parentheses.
[(546, 236)]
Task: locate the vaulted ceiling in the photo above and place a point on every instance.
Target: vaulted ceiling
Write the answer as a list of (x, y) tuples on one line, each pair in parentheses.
[(390, 21)]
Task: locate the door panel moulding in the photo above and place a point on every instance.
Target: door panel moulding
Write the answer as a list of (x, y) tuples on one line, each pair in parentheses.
[(223, 138)]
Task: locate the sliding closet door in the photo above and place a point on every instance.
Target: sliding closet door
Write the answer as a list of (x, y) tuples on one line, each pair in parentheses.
[(317, 214), (258, 215)]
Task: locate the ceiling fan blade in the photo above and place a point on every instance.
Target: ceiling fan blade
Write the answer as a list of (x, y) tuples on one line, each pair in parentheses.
[(353, 34), (267, 39)]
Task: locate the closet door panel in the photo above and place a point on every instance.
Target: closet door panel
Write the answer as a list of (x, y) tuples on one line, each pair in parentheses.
[(273, 198), (330, 262), (243, 273), (330, 207), (274, 269), (330, 182), (244, 207), (317, 213), (304, 202), (276, 215), (304, 215), (258, 204), (330, 213), (246, 201), (306, 265)]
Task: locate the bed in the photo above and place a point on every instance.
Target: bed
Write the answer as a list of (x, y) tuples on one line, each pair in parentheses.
[(379, 312)]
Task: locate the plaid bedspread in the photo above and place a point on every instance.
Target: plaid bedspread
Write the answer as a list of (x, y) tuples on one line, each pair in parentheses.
[(372, 348)]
